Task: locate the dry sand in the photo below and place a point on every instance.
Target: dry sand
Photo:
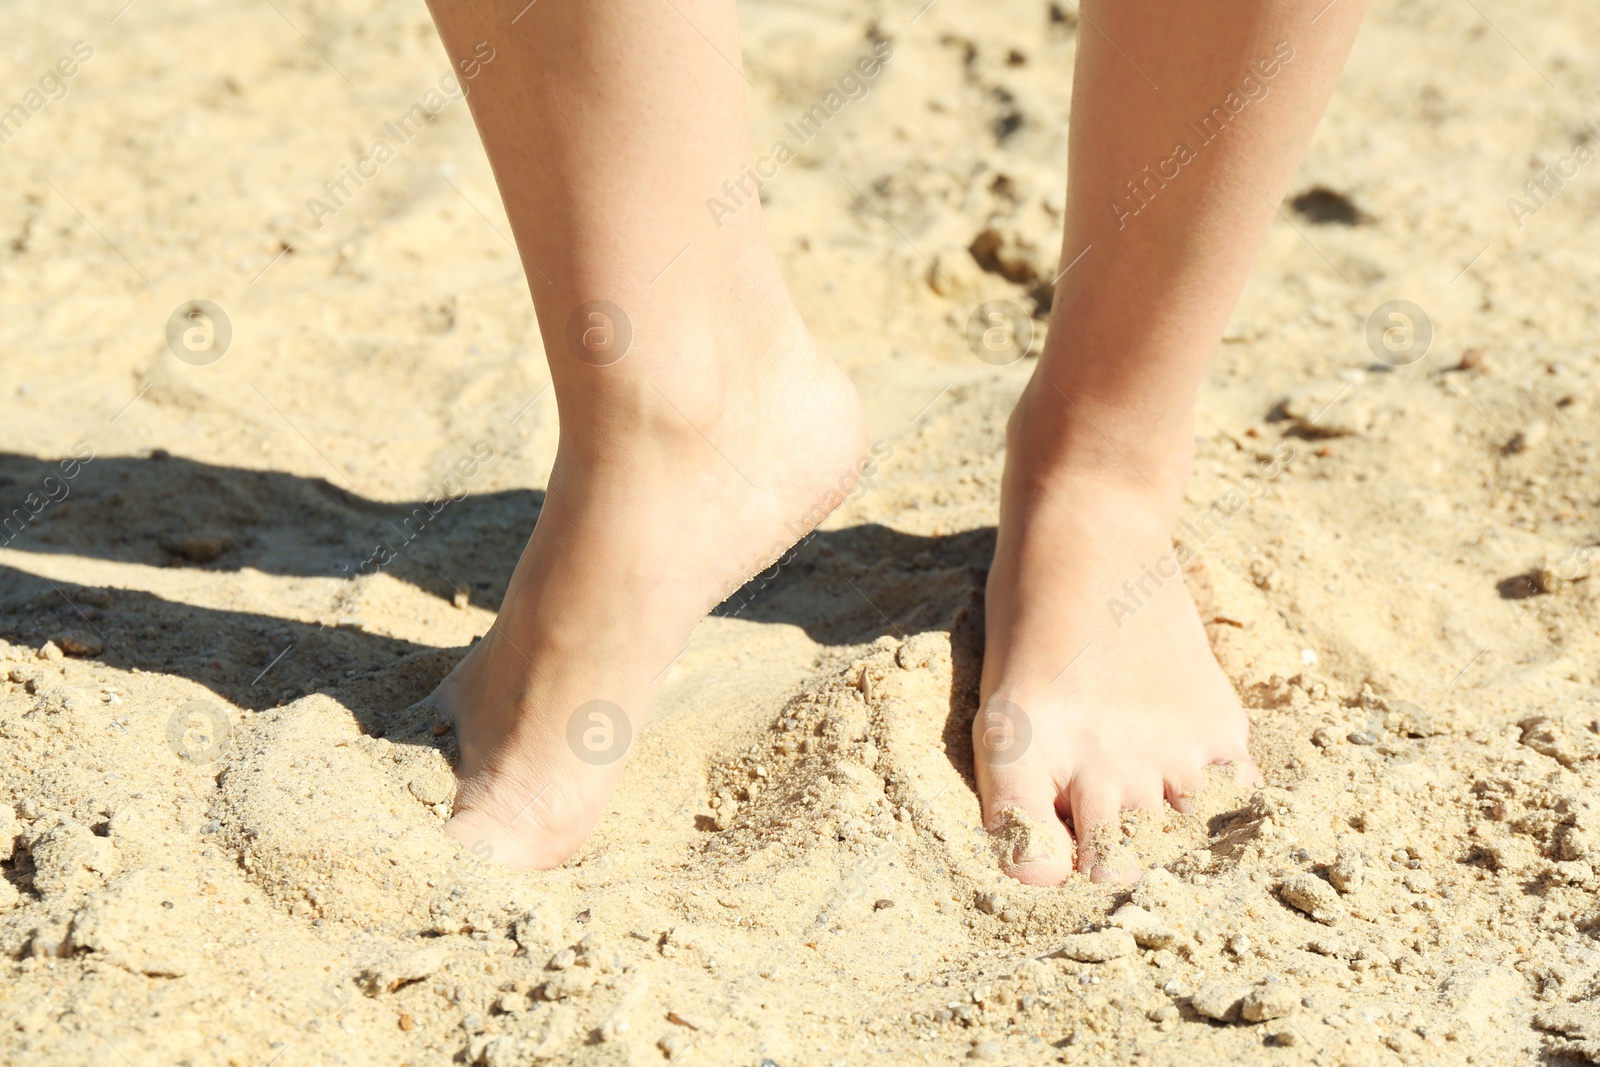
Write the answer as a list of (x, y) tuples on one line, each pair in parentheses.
[(226, 844)]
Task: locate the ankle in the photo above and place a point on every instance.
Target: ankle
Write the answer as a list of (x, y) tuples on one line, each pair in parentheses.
[(691, 367), (1054, 436)]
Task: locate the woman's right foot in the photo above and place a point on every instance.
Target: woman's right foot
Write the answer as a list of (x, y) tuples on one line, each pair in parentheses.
[(669, 490)]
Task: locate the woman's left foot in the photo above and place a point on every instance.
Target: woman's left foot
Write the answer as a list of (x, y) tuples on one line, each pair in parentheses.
[(1099, 691)]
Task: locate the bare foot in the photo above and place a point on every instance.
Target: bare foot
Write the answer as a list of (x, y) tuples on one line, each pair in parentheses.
[(1088, 709), (669, 490)]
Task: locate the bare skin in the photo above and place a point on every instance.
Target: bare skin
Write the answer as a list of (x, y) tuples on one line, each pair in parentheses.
[(687, 462), (721, 434), (1126, 711)]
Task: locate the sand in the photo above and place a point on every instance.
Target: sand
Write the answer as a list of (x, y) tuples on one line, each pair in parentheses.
[(221, 834)]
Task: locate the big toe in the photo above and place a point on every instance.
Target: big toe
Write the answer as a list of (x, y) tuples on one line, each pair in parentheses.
[(1029, 838)]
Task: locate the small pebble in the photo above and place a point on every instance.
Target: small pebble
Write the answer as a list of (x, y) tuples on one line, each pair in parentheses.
[(1147, 929), (78, 643), (440, 729), (1310, 894), (1529, 437), (1097, 947), (1363, 737), (405, 1021), (882, 903), (1219, 1001), (433, 786), (1273, 1000), (1347, 872), (988, 1051)]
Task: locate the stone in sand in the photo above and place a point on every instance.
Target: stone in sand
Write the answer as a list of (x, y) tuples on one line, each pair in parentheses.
[(1148, 929), (1220, 1001), (1348, 871), (1313, 896), (404, 969), (79, 643), (1272, 1000), (433, 786), (1097, 947)]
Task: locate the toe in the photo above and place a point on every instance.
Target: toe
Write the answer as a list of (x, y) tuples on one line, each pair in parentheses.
[(1019, 795), (1245, 771), (1097, 824), (1182, 785), (1230, 747), (1237, 756), (1029, 838)]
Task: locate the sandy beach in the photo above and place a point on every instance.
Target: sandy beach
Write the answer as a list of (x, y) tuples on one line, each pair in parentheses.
[(230, 560)]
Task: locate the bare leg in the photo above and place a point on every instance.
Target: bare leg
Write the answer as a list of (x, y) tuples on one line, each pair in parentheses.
[(689, 457), (1101, 441)]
